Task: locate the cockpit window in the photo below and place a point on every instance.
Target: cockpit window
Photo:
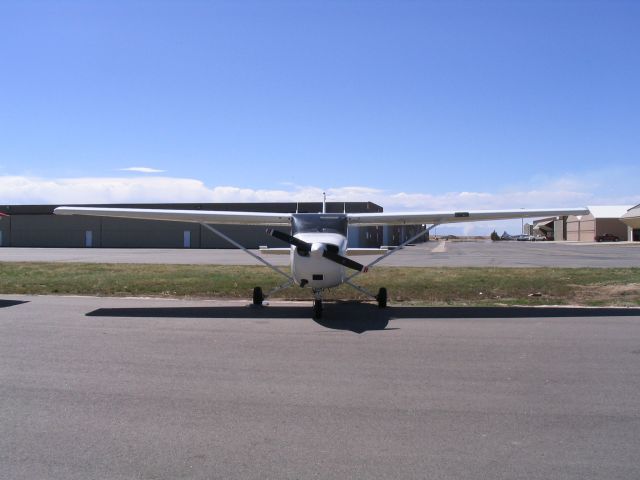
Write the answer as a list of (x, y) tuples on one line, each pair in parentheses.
[(319, 222)]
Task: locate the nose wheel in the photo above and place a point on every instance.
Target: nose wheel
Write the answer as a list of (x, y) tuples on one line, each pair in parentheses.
[(317, 309)]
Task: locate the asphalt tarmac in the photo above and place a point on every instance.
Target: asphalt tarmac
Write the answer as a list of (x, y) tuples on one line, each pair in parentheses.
[(165, 389), (435, 254)]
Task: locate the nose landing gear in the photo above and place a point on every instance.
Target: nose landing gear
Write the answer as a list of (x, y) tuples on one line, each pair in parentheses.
[(317, 309), (317, 304)]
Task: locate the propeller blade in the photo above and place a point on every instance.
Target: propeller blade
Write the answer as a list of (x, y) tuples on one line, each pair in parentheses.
[(302, 246), (344, 261)]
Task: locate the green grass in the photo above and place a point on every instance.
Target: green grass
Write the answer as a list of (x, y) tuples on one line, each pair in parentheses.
[(435, 286)]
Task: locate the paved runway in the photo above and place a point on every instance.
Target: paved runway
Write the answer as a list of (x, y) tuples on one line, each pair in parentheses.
[(166, 389), (436, 254)]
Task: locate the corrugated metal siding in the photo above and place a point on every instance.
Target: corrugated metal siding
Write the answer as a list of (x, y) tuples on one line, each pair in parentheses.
[(50, 231), (5, 232)]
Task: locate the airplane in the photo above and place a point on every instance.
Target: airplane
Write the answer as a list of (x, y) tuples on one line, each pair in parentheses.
[(318, 247)]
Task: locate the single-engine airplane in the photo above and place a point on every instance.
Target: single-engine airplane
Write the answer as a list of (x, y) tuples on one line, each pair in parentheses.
[(318, 241)]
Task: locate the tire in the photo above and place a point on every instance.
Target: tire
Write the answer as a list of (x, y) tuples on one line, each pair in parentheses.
[(317, 309), (258, 296), (382, 298)]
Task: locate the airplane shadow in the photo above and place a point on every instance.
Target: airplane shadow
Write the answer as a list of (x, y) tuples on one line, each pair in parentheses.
[(361, 317), (352, 316), (11, 303)]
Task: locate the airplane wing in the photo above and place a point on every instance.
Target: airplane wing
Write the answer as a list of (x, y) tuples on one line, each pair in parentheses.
[(419, 218), (195, 216)]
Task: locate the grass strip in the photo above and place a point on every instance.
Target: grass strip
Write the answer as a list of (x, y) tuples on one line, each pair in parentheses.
[(433, 286)]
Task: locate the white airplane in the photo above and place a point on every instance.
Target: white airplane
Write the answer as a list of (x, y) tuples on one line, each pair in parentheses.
[(318, 241)]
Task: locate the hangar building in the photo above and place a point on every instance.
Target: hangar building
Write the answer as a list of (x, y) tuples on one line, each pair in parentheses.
[(632, 220), (619, 220), (601, 220), (553, 228), (36, 226)]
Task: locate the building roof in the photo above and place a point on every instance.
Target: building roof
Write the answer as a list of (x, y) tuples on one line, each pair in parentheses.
[(608, 211), (633, 212), (543, 221)]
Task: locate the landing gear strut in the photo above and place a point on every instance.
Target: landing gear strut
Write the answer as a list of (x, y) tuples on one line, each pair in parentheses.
[(317, 304), (381, 297)]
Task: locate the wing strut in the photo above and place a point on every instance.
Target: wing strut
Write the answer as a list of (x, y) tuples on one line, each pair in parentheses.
[(398, 248), (257, 257)]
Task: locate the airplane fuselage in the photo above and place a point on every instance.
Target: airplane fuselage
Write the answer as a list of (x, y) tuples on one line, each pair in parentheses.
[(312, 269), (323, 231)]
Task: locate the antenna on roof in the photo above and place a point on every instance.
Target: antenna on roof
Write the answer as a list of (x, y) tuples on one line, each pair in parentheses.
[(324, 202)]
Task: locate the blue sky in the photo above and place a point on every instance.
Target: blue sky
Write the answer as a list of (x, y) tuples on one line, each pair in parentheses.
[(417, 105)]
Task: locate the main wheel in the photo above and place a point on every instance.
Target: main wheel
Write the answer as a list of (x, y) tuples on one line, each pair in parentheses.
[(258, 296), (317, 309), (382, 297)]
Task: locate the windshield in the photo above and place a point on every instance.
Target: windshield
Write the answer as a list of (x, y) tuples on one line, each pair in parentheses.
[(319, 222)]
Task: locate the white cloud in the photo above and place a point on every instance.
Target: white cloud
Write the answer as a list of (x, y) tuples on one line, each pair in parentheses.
[(32, 190), (141, 170)]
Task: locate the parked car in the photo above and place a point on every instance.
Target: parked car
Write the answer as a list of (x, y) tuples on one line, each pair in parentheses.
[(607, 237)]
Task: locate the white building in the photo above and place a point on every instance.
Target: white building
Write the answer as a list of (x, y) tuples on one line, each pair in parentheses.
[(600, 221), (632, 220)]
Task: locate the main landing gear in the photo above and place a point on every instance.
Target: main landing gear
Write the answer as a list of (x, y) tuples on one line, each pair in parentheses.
[(382, 298), (258, 296)]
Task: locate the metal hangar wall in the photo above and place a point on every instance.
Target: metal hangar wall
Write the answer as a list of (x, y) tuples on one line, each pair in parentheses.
[(36, 226)]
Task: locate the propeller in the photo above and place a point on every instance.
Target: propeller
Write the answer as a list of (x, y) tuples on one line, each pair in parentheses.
[(344, 261), (303, 247), (330, 252)]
